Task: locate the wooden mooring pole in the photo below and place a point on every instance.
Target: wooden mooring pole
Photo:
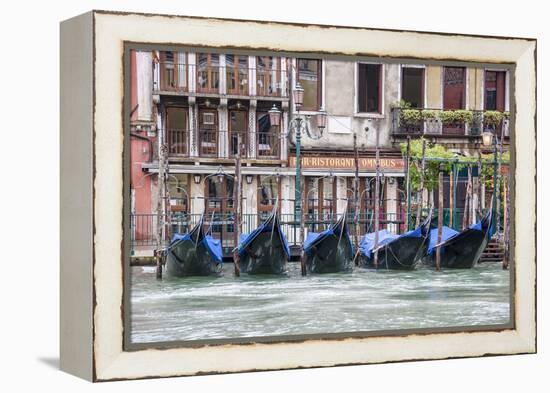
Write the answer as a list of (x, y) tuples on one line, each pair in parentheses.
[(376, 199), (237, 202), (468, 201), (408, 183), (451, 196), (356, 204), (506, 228), (421, 196), (439, 223), (302, 234), (161, 207), (480, 201)]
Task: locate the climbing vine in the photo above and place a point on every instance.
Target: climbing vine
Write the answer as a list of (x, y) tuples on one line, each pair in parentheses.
[(437, 157)]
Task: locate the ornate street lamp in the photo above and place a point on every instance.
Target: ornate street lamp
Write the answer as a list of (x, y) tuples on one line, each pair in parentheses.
[(274, 116), (298, 96), (197, 178), (321, 118), (487, 137)]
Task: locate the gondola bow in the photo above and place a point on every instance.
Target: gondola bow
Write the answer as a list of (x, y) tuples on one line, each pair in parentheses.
[(195, 253), (264, 250), (329, 251)]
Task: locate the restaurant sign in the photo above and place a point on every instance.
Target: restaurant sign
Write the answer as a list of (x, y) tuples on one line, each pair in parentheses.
[(386, 164)]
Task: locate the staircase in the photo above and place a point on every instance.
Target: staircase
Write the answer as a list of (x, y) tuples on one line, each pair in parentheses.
[(494, 252)]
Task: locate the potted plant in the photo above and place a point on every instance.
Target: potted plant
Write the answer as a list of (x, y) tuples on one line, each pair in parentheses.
[(493, 118), (464, 116), (448, 117)]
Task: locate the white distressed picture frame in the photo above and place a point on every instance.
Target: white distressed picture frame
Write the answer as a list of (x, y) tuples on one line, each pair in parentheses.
[(92, 169)]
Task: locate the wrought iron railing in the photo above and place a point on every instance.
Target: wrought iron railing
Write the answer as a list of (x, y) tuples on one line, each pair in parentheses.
[(438, 122), (217, 79), (223, 144), (143, 227)]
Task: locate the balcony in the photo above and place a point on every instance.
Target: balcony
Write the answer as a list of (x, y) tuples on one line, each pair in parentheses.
[(223, 144), (232, 81), (448, 123)]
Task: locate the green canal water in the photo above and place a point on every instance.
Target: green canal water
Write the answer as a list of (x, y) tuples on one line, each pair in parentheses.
[(199, 308)]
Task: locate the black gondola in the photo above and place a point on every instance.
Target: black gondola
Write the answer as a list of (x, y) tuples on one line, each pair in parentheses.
[(401, 252), (194, 254), (264, 250), (461, 250), (329, 251)]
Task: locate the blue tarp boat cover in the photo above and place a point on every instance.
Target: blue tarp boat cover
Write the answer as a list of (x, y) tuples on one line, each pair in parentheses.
[(446, 234), (366, 245), (247, 238), (449, 233), (213, 246)]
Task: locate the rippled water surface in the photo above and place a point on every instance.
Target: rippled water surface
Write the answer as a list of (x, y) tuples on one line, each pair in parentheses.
[(228, 307)]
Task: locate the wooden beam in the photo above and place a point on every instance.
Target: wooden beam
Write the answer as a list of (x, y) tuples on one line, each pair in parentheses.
[(376, 199), (237, 201)]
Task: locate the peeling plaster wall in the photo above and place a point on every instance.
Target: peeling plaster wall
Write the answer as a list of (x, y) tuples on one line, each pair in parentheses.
[(340, 97)]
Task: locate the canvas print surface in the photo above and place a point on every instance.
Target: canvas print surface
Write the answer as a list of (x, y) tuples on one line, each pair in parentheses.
[(273, 196)]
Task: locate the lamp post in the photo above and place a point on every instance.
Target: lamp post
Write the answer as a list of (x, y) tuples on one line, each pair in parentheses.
[(298, 125)]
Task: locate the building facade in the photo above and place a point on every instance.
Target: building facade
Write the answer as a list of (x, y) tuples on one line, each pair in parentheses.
[(203, 106)]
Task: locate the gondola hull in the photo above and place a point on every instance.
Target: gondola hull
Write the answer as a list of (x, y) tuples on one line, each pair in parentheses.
[(330, 257), (463, 252), (266, 255), (399, 252), (402, 254), (184, 259), (330, 251), (265, 250), (463, 249)]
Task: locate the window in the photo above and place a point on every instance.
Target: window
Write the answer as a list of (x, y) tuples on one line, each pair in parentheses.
[(178, 188), (219, 191), (208, 72), (220, 207), (454, 88), (268, 137), (268, 193), (320, 200), (412, 86), (454, 97), (495, 90), (208, 133), (369, 88), (236, 68), (309, 76), (173, 71), (177, 130), (238, 131), (268, 75)]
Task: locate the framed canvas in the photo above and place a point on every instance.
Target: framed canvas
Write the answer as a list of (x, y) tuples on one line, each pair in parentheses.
[(249, 195)]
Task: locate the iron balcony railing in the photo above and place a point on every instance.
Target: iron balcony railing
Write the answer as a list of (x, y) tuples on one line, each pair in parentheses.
[(216, 79), (223, 144), (439, 122)]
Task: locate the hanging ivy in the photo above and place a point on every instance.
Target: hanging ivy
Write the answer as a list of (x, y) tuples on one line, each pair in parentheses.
[(437, 158)]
